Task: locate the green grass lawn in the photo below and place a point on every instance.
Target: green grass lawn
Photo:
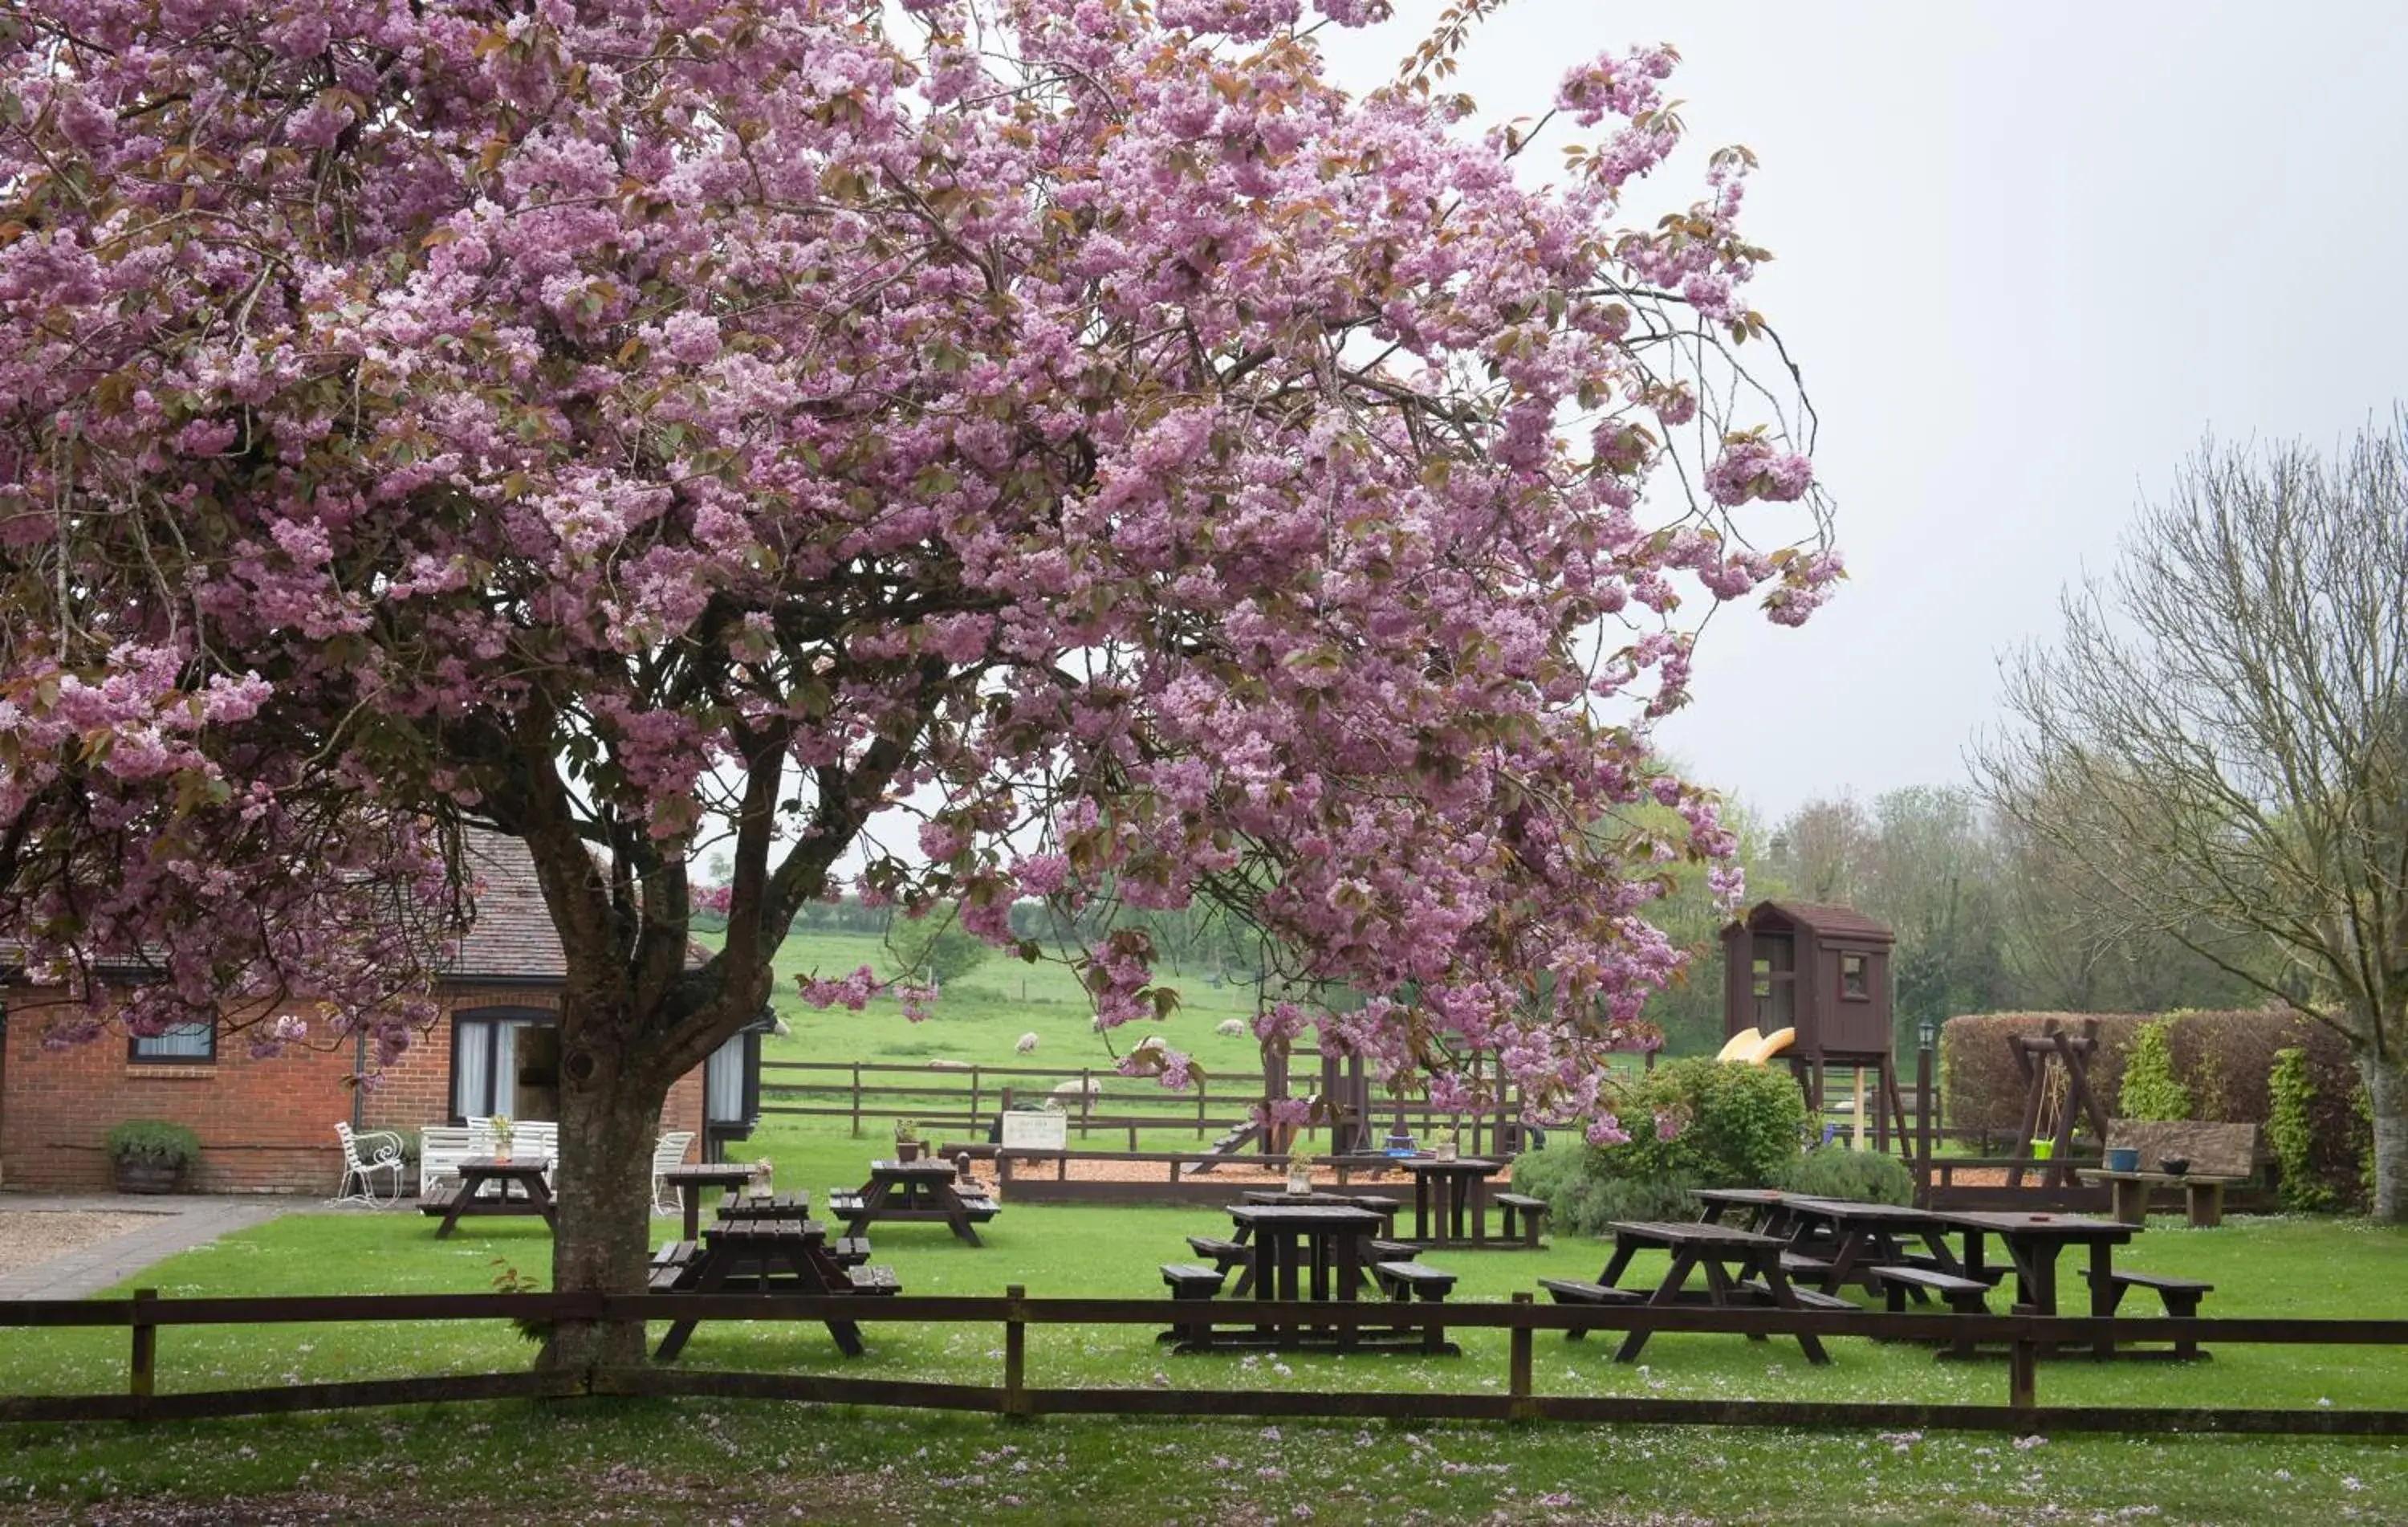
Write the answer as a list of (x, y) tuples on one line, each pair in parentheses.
[(717, 1461)]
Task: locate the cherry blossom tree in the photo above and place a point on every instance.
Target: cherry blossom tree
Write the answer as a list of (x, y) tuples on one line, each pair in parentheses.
[(639, 427)]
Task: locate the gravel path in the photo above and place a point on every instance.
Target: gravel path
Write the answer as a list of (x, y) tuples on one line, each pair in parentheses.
[(35, 1236), (73, 1248)]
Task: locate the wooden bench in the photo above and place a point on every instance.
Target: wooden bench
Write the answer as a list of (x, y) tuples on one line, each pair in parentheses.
[(1391, 1251), (1812, 1298), (1966, 1296), (979, 1210), (842, 1201), (1797, 1265), (850, 1251), (1574, 1291), (1529, 1214), (438, 1199), (1225, 1253), (1191, 1283), (2218, 1155), (1402, 1280), (2181, 1297), (873, 1280)]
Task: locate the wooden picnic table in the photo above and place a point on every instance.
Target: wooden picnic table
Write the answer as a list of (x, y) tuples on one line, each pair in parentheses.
[(1309, 1251), (691, 1179), (912, 1192), (1451, 1200), (1763, 1210), (1377, 1204), (2127, 1193), (776, 1256), (458, 1201), (2033, 1241), (1715, 1251), (1855, 1237)]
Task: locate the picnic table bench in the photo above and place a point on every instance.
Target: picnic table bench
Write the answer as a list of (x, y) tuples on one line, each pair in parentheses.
[(788, 1256), (463, 1198), (913, 1192)]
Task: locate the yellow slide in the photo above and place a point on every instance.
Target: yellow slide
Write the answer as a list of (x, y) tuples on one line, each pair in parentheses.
[(1739, 1044), (1769, 1046)]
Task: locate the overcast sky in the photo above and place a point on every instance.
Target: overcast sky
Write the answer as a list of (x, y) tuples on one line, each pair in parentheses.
[(2028, 254)]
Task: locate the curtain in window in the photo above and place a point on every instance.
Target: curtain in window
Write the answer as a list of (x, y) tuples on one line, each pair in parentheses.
[(472, 1070), (184, 1042), (723, 1084)]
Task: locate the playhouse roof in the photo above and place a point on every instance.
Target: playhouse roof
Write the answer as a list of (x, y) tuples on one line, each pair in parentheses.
[(1825, 919)]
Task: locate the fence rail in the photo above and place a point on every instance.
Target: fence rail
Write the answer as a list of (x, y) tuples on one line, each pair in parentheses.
[(971, 1098), (146, 1314)]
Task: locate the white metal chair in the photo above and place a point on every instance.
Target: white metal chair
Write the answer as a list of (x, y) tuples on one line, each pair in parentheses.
[(360, 1174), (668, 1152)]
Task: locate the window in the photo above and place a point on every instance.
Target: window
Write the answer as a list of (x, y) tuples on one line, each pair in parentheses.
[(503, 1061), (1855, 977), (183, 1044)]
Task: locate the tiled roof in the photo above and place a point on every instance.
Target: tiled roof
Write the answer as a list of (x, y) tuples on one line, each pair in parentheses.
[(511, 937)]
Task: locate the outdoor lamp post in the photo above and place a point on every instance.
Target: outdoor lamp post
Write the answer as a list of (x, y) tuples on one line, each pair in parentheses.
[(1924, 1032)]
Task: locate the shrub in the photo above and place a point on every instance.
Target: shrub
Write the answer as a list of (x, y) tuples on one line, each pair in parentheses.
[(1865, 1176), (154, 1143), (2287, 1131), (2224, 1060), (1737, 1126), (2150, 1090), (1584, 1195)]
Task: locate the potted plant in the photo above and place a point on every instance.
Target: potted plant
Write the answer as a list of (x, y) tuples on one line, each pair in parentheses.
[(907, 1140), (502, 1129), (151, 1155), (1442, 1145)]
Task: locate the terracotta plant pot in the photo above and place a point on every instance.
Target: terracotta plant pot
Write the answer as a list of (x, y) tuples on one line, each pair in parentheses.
[(907, 1150)]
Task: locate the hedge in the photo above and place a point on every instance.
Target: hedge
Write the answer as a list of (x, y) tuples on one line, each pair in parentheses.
[(2224, 1061)]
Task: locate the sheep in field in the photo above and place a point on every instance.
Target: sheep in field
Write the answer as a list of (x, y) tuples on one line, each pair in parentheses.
[(1028, 1044), (1230, 1027), (1086, 1087)]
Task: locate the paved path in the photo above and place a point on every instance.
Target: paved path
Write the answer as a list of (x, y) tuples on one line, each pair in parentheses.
[(181, 1221)]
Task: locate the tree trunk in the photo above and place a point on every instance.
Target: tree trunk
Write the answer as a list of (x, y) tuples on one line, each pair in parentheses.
[(609, 1121), (2387, 1091)]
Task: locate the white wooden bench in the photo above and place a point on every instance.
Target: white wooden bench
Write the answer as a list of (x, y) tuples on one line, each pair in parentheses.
[(441, 1149)]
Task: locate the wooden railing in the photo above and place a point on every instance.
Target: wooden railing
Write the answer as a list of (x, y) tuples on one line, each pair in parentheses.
[(147, 1314), (967, 1100)]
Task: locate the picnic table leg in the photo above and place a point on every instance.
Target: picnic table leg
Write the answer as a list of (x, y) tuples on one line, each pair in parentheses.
[(540, 1196), (1720, 1290), (847, 1335), (1937, 1244), (1787, 1298), (1617, 1264), (452, 1216), (1635, 1339), (690, 1199), (1478, 1187), (1422, 1206), (2103, 1292), (710, 1278)]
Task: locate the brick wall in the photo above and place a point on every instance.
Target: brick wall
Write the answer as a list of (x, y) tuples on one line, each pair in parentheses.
[(265, 1125)]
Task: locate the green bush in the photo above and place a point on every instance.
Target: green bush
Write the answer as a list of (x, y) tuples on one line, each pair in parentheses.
[(154, 1143), (1834, 1170), (1584, 1196), (2150, 1090), (2289, 1136), (1737, 1126)]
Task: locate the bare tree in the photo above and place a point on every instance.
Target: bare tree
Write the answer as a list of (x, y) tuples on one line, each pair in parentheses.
[(2216, 739)]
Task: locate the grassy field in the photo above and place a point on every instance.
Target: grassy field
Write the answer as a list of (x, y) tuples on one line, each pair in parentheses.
[(715, 1462)]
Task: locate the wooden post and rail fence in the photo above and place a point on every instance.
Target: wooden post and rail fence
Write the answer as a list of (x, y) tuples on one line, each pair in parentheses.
[(969, 1098), (2024, 1336)]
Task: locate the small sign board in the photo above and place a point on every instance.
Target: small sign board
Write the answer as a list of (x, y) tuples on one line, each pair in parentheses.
[(1045, 1131)]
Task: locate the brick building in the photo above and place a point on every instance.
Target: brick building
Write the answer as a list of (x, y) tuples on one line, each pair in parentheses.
[(268, 1125)]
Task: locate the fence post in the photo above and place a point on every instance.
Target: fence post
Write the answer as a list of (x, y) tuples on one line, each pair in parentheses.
[(1086, 1101), (974, 1100), (142, 1372), (1015, 1355), (1203, 1085), (1517, 1369), (2023, 1373), (856, 1100)]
